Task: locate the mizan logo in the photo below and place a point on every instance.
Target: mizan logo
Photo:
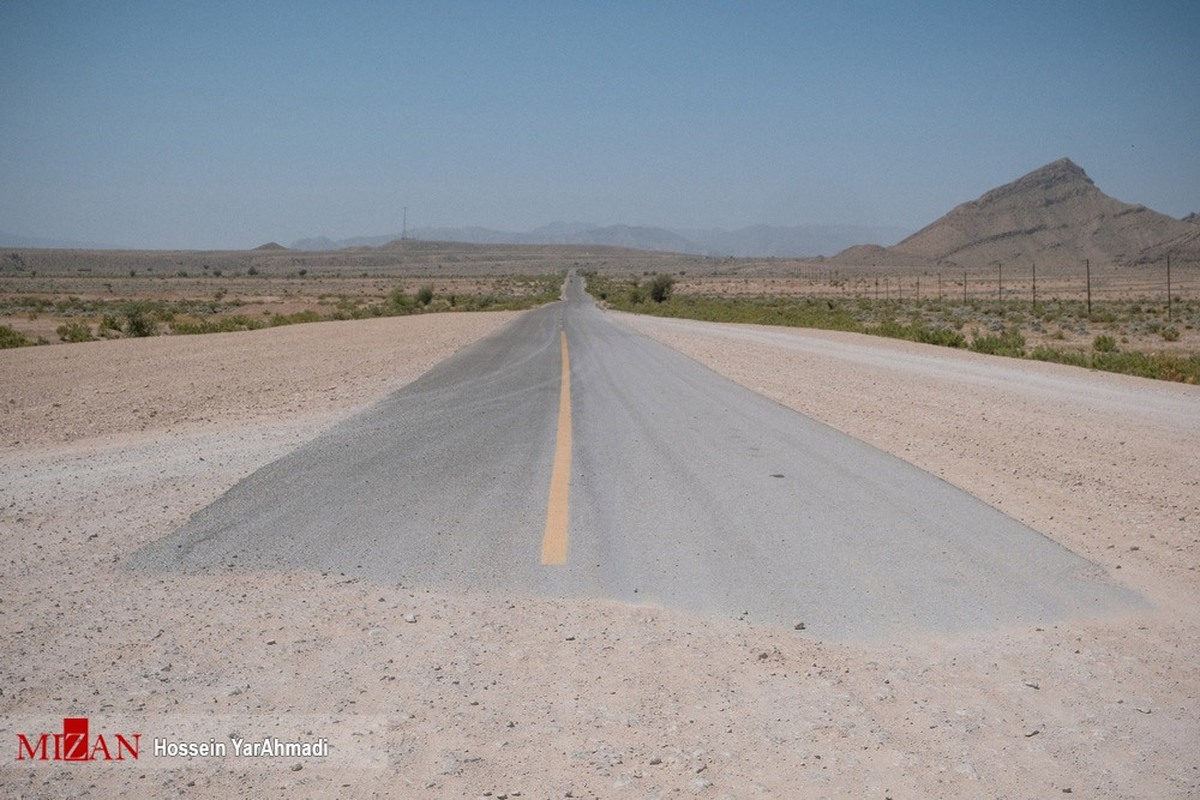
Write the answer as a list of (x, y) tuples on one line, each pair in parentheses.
[(76, 744)]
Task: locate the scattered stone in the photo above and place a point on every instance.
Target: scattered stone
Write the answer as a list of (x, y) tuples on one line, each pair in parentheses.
[(410, 618), (297, 767), (799, 626), (655, 761)]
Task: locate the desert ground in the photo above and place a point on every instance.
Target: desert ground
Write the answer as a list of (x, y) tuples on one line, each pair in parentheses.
[(41, 290), (107, 446)]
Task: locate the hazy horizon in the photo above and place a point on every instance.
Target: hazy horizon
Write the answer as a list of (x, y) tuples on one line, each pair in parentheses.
[(227, 125)]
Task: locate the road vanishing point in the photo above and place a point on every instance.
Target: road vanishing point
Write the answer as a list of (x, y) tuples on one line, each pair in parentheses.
[(567, 456)]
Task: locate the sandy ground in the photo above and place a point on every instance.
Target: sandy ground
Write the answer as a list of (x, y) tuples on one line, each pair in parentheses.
[(110, 445)]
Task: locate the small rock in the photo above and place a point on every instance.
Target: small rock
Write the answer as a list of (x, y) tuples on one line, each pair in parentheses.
[(655, 761), (799, 626), (410, 617), (297, 767)]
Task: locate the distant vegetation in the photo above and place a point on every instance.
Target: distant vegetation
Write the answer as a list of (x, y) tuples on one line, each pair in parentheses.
[(10, 338), (993, 327), (124, 317)]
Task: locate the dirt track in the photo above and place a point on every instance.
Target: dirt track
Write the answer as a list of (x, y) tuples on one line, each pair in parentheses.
[(508, 694)]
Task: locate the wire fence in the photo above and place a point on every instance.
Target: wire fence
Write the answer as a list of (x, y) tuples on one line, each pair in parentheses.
[(1095, 282)]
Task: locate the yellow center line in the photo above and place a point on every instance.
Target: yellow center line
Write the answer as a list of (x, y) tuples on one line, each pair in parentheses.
[(554, 540)]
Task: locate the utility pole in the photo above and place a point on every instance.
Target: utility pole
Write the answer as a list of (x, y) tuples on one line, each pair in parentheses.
[(1000, 281)]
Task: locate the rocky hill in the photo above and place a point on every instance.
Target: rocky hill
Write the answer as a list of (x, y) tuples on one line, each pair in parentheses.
[(1053, 215)]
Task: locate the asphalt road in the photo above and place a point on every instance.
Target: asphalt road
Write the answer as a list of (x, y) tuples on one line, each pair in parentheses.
[(675, 487)]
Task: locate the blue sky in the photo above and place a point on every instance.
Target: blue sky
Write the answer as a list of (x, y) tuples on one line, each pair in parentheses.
[(212, 124)]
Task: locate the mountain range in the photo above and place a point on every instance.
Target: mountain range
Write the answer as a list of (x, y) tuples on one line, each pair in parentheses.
[(758, 241), (1053, 215)]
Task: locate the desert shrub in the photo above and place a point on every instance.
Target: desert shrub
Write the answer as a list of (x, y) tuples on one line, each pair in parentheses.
[(941, 336), (917, 332), (10, 338), (660, 288), (139, 323), (1104, 344), (75, 332), (1169, 333), (424, 295), (1008, 342), (1072, 357)]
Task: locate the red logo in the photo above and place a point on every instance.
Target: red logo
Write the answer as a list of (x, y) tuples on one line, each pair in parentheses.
[(76, 744)]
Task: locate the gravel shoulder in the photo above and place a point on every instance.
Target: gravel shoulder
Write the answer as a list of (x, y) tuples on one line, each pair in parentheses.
[(485, 693)]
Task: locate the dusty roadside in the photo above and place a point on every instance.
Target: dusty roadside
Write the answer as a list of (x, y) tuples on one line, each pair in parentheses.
[(538, 698)]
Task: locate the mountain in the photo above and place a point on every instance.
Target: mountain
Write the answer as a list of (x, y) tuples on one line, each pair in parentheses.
[(1184, 248), (756, 241), (1055, 214)]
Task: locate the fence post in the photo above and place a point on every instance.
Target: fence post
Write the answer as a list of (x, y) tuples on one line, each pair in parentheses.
[(1088, 265), (1168, 287), (1034, 286)]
